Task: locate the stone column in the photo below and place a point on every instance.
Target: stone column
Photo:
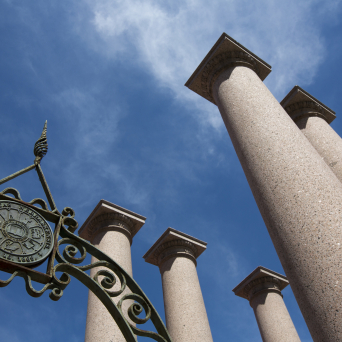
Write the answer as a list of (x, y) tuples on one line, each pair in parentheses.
[(314, 118), (175, 254), (111, 229), (299, 197), (262, 288)]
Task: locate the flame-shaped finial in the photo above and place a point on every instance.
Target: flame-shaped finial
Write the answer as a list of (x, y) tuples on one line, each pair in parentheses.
[(41, 145)]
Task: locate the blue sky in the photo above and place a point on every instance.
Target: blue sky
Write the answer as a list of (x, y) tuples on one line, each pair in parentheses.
[(109, 78)]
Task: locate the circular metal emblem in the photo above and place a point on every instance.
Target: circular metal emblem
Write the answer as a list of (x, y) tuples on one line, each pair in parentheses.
[(25, 237)]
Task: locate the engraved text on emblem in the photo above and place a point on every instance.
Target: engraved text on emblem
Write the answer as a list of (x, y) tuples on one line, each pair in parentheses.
[(25, 237)]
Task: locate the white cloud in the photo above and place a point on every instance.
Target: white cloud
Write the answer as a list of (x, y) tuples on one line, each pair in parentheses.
[(170, 39)]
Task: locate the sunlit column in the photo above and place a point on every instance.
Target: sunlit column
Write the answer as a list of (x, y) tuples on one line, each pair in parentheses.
[(111, 229), (298, 195), (314, 118), (262, 288), (175, 254)]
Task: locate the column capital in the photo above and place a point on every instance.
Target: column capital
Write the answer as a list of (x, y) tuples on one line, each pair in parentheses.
[(259, 281), (224, 54), (174, 243), (109, 216), (298, 104)]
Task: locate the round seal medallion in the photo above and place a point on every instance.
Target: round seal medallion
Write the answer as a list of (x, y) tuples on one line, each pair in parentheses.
[(25, 237)]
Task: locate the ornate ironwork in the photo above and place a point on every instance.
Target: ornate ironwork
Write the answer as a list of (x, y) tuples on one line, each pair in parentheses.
[(66, 253)]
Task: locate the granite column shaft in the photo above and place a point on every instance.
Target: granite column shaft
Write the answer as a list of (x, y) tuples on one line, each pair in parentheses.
[(100, 323), (298, 196), (325, 140), (274, 321), (185, 314)]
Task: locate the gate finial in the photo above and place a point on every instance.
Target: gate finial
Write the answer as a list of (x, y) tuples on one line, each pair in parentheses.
[(41, 145)]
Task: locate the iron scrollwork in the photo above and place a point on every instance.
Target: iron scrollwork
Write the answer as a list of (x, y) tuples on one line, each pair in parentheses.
[(67, 257)]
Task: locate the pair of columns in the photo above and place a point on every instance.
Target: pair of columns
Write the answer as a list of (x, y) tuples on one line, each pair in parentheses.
[(294, 177), (111, 229)]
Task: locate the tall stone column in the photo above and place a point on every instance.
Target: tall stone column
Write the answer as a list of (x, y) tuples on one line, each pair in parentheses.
[(111, 229), (299, 197), (314, 118), (175, 254), (262, 288)]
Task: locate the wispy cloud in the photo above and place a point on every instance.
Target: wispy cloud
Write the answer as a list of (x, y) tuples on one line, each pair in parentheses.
[(171, 39)]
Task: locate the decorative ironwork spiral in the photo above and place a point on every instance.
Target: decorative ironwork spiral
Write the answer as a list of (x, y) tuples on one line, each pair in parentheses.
[(136, 308), (41, 146), (109, 280)]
